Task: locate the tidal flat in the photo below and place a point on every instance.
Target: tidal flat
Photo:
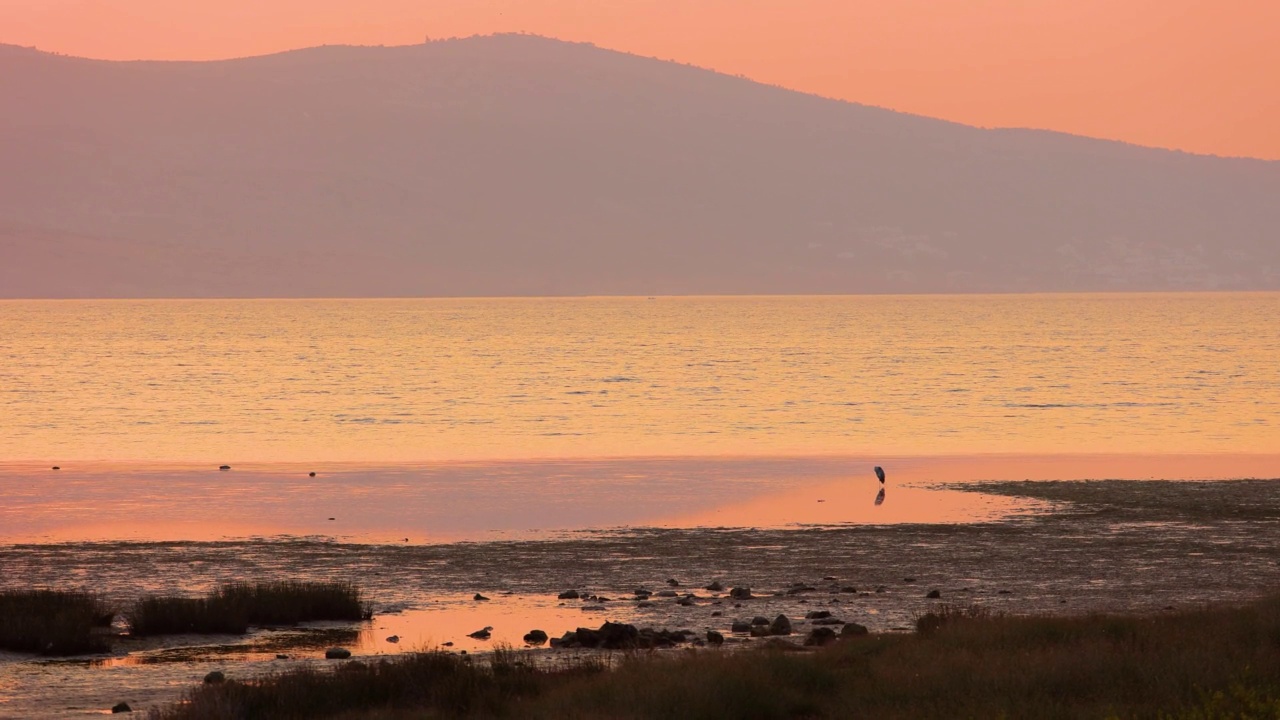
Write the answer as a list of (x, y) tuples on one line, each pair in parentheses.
[(1064, 549)]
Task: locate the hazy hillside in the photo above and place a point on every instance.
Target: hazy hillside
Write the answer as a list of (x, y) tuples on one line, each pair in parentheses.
[(521, 165)]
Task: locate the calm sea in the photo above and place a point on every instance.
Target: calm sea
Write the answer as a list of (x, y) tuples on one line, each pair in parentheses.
[(426, 380)]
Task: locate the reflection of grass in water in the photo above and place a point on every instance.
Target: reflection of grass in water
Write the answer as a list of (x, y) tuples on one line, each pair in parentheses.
[(233, 607), (51, 622), (269, 643), (1221, 662), (1186, 501)]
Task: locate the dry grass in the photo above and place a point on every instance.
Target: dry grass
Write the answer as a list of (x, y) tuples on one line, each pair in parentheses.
[(233, 608), (1213, 663), (51, 622)]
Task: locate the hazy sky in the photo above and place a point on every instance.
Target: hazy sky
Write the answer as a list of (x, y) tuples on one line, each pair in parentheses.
[(1184, 74)]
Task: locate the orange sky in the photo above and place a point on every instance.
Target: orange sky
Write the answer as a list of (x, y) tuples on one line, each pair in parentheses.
[(1188, 74)]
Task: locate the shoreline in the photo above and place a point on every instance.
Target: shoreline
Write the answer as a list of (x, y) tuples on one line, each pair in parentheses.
[(1109, 546)]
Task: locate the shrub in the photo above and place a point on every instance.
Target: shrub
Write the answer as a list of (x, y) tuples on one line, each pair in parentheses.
[(52, 622)]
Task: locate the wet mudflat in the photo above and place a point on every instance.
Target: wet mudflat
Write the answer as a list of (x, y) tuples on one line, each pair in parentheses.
[(1078, 547)]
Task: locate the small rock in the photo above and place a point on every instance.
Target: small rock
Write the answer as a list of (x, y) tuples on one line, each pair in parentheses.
[(642, 593), (849, 590), (759, 620), (1005, 592), (881, 588), (55, 467), (332, 518), (760, 631), (535, 637), (852, 629), (121, 707), (828, 621), (685, 602), (908, 580), (673, 582), (282, 656), (740, 626), (717, 613), (667, 593), (828, 577), (798, 588), (478, 597), (569, 595), (592, 608), (715, 587), (481, 634), (311, 474), (820, 636), (715, 638), (224, 467), (644, 604), (336, 653), (781, 625), (215, 677), (817, 614), (934, 594), (740, 593), (393, 639)]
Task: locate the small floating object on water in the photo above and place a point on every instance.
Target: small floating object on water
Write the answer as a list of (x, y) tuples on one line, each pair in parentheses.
[(55, 467), (479, 597), (224, 467), (822, 501), (311, 474), (880, 474), (393, 639), (331, 518), (448, 644), (482, 634)]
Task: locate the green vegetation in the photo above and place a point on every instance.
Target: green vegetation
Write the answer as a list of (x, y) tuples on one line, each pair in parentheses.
[(233, 608), (964, 662), (51, 622)]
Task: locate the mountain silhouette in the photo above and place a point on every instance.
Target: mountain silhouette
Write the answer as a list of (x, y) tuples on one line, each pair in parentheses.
[(521, 165)]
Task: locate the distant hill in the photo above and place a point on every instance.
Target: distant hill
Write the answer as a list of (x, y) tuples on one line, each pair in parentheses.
[(518, 165)]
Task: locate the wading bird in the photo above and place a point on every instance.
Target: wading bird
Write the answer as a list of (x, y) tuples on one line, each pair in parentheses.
[(880, 474)]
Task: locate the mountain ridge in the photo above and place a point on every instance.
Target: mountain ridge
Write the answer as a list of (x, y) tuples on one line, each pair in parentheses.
[(515, 164)]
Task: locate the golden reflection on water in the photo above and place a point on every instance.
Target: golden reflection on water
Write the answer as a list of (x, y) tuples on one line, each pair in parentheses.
[(415, 380), (515, 500)]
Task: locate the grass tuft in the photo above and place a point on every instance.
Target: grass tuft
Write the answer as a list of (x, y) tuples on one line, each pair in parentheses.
[(52, 622), (234, 607)]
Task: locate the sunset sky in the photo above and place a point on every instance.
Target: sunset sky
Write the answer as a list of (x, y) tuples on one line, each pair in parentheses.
[(1169, 73)]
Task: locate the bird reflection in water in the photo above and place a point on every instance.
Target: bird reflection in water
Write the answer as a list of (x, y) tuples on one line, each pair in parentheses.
[(880, 497)]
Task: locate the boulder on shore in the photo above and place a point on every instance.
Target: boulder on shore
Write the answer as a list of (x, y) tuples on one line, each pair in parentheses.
[(781, 625), (535, 637), (820, 636), (336, 653), (620, 636), (740, 593), (852, 629)]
